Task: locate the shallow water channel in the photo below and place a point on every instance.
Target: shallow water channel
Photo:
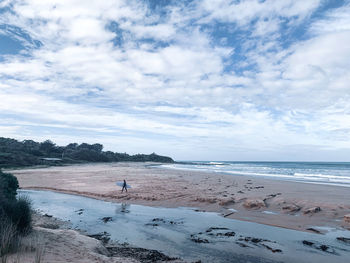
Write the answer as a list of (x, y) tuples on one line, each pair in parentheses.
[(192, 235)]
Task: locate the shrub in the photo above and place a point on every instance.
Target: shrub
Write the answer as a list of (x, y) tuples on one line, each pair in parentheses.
[(15, 214), (8, 185)]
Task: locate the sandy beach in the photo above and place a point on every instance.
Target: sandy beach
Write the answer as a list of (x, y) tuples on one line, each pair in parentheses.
[(293, 205)]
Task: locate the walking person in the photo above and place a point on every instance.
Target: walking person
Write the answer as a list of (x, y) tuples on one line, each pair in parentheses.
[(124, 187)]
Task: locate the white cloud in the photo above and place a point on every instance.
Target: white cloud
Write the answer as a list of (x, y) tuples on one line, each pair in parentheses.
[(169, 75)]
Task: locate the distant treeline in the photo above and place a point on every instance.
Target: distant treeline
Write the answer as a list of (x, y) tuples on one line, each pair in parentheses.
[(15, 153)]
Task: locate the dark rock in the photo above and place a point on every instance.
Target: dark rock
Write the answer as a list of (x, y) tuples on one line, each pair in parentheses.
[(312, 210), (344, 239), (242, 244), (314, 230), (107, 219), (324, 247), (347, 218), (254, 203), (227, 234), (271, 196), (273, 250), (141, 254), (291, 208), (104, 237), (80, 211), (308, 243), (47, 215), (228, 214), (150, 224), (319, 246), (200, 240), (216, 228)]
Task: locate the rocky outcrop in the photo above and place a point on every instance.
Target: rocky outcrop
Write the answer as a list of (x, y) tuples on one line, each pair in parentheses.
[(254, 204), (312, 210), (347, 218), (291, 208)]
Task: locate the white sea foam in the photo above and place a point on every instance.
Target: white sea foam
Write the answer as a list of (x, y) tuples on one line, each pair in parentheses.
[(320, 173)]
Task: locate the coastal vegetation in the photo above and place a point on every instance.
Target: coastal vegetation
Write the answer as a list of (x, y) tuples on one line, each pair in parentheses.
[(15, 214), (15, 153)]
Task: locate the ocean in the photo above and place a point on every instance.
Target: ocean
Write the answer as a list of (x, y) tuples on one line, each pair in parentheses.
[(334, 173)]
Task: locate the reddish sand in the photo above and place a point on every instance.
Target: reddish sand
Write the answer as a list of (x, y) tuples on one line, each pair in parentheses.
[(294, 205)]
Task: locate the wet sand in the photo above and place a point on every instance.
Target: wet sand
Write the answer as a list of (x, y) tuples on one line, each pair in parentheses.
[(293, 205)]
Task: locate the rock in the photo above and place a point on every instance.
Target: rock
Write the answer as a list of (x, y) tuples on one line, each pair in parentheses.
[(291, 208), (198, 239), (47, 215), (318, 246), (271, 196), (254, 203), (216, 228), (347, 218), (106, 219), (312, 210), (227, 201), (140, 254), (344, 239), (273, 250), (227, 234), (314, 230), (103, 236), (308, 243)]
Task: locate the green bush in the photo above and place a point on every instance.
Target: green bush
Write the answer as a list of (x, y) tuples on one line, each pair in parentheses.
[(8, 185), (15, 214)]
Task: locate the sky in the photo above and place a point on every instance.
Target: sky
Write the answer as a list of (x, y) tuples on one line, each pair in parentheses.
[(194, 80)]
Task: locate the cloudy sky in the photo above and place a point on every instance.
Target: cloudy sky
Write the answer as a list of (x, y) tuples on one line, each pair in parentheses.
[(196, 80)]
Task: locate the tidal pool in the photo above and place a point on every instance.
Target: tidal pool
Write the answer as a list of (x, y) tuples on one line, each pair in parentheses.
[(192, 235)]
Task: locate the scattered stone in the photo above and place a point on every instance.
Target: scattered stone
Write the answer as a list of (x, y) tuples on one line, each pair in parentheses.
[(150, 224), (308, 243), (107, 219), (228, 214), (314, 230), (49, 226), (47, 215), (312, 210), (319, 246), (291, 208), (271, 196), (198, 239), (141, 254), (240, 192), (227, 201), (227, 234), (258, 242), (273, 250), (347, 218), (80, 211), (254, 203), (104, 237), (344, 239), (157, 221), (242, 244), (216, 228)]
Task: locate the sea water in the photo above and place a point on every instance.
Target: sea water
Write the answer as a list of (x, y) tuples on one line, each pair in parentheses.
[(335, 173)]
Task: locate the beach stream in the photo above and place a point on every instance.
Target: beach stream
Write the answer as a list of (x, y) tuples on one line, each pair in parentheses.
[(191, 234)]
